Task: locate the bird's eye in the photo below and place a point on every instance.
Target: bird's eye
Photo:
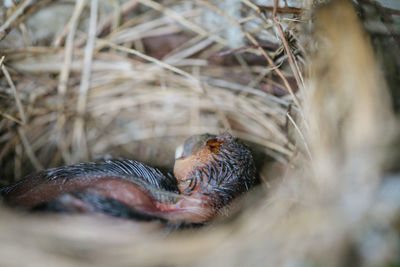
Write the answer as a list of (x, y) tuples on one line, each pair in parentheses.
[(214, 145), (188, 185)]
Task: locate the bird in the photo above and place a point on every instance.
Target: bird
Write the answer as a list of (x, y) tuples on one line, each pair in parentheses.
[(210, 171)]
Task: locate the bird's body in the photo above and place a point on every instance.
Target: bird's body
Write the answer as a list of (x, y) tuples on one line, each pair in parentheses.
[(209, 172)]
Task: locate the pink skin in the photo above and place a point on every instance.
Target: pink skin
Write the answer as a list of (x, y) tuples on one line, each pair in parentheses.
[(190, 206), (186, 209)]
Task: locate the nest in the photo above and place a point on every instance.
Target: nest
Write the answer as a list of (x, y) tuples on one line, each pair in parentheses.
[(84, 81)]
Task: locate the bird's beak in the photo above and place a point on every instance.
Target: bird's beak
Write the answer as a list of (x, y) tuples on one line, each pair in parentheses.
[(179, 152)]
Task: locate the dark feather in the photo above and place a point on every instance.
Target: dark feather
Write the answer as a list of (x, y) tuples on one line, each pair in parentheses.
[(94, 203), (128, 169)]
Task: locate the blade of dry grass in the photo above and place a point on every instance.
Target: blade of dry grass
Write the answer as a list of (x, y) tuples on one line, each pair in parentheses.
[(289, 53), (15, 93), (195, 81), (303, 139), (28, 149), (176, 16), (79, 139), (13, 17), (259, 47), (72, 25)]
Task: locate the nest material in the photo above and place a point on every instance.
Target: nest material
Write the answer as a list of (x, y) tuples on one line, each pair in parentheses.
[(85, 93), (134, 79)]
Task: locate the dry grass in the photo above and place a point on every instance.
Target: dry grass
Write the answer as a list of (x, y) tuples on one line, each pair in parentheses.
[(133, 80), (86, 95)]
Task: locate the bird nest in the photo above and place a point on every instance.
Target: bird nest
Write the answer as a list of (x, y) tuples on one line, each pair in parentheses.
[(89, 80)]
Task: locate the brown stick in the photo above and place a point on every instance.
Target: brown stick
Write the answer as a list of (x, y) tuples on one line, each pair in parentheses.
[(273, 66), (257, 44), (228, 52), (19, 18), (286, 46), (15, 93), (4, 29), (292, 10)]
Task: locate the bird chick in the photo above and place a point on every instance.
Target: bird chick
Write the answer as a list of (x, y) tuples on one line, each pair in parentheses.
[(209, 172)]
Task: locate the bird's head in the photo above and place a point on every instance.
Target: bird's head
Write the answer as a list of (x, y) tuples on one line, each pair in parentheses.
[(217, 168)]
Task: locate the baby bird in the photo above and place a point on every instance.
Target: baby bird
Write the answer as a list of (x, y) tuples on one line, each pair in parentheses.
[(209, 172)]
